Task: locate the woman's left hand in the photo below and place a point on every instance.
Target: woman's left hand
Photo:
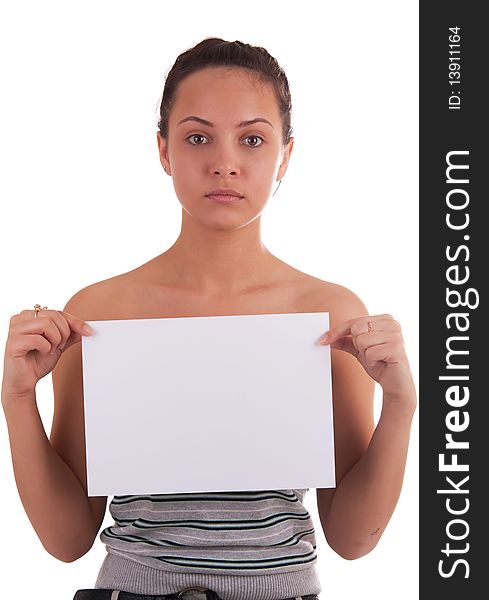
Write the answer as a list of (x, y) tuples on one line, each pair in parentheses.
[(376, 342)]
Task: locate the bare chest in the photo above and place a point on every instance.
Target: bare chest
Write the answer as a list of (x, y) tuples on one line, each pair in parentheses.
[(135, 300)]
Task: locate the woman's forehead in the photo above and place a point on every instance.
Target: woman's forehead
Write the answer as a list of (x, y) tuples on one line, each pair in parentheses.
[(217, 93), (231, 74)]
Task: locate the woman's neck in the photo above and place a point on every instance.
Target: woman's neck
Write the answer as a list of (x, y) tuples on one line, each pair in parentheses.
[(217, 261)]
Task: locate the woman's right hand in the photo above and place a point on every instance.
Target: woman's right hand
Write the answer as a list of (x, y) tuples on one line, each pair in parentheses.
[(34, 346)]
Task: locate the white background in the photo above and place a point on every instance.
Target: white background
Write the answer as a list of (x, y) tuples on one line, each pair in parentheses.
[(84, 197)]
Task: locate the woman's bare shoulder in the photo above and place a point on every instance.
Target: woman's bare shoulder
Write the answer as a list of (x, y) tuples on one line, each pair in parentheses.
[(104, 298), (341, 302)]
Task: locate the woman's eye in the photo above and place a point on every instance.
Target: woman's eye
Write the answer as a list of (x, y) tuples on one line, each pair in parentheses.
[(196, 135), (257, 140), (197, 139)]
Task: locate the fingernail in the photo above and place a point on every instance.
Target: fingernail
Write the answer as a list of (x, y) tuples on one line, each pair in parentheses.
[(323, 338), (87, 328)]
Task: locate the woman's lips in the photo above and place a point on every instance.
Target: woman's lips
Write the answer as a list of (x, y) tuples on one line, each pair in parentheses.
[(224, 198)]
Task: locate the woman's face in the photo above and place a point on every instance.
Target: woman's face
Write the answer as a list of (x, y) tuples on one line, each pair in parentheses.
[(210, 145)]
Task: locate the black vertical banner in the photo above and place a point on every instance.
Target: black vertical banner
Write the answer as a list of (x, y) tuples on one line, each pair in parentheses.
[(454, 248)]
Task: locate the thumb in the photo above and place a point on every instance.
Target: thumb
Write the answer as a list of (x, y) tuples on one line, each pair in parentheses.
[(345, 344)]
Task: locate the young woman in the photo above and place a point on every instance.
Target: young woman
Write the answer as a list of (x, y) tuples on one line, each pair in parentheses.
[(225, 139)]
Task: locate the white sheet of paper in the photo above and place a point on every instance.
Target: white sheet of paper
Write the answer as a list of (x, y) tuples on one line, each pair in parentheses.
[(199, 404)]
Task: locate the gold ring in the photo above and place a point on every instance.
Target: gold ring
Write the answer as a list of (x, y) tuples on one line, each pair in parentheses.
[(369, 326), (37, 308)]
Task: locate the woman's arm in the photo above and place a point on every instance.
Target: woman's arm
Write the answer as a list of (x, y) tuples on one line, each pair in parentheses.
[(52, 496), (51, 473), (370, 464)]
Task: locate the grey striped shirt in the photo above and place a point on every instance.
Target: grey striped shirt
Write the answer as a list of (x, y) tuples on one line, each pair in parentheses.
[(237, 533)]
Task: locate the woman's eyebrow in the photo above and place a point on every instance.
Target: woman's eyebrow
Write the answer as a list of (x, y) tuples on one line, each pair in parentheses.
[(209, 124)]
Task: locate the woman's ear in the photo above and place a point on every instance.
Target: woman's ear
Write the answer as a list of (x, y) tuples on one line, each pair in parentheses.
[(285, 159), (163, 152)]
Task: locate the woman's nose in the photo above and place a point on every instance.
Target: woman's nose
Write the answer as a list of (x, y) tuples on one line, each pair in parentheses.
[(224, 162), (224, 170)]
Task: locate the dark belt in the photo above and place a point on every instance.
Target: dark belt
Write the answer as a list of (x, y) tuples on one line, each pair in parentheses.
[(103, 594)]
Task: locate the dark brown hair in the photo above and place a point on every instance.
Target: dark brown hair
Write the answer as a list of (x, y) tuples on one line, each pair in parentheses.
[(215, 52)]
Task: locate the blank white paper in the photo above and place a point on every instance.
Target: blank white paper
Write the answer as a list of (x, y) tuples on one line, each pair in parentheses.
[(199, 404)]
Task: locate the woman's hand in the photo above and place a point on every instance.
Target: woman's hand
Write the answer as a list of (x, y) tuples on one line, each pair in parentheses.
[(34, 346), (377, 343)]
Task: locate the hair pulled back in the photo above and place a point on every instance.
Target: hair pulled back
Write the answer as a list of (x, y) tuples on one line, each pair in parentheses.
[(216, 52)]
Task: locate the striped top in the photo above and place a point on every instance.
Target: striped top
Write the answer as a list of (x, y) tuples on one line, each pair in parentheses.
[(244, 533)]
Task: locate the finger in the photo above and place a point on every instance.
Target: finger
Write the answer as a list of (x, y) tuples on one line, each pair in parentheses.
[(384, 317), (77, 329), (344, 329), (43, 326), (365, 340), (77, 324), (70, 332), (360, 325), (62, 325), (391, 352), (383, 323), (63, 328), (23, 344), (60, 328), (345, 344)]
